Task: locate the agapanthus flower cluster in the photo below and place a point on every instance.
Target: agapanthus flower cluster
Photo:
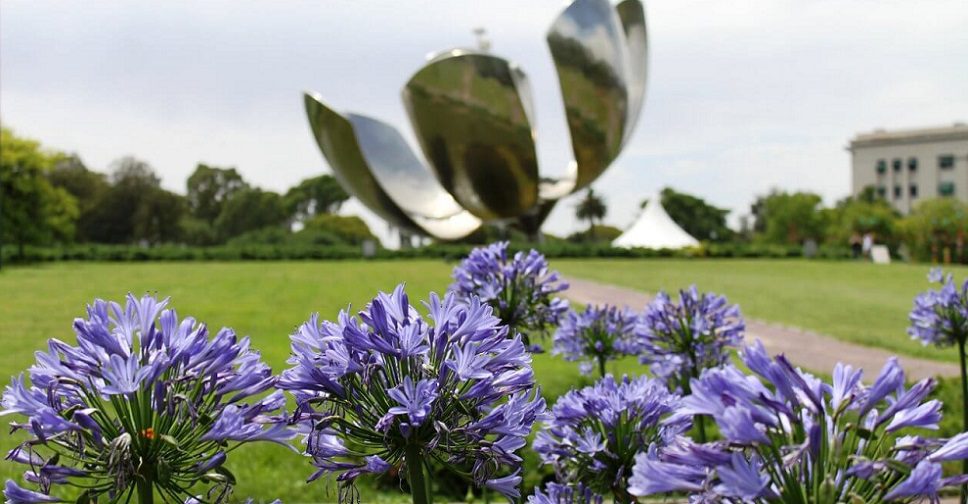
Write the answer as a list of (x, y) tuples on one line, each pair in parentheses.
[(144, 401), (940, 317), (520, 288), (597, 335), (595, 433), (790, 437), (391, 387), (680, 340), (557, 493)]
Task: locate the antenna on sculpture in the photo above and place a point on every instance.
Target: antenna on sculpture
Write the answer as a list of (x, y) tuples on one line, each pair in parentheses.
[(483, 43)]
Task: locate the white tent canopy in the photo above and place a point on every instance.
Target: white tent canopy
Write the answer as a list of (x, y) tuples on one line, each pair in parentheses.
[(655, 230)]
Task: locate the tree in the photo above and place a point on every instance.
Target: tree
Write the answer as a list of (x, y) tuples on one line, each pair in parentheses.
[(788, 218), (32, 210), (248, 210), (937, 225), (136, 208), (348, 229), (158, 217), (591, 208), (316, 195), (209, 187), (864, 213), (695, 216), (87, 187)]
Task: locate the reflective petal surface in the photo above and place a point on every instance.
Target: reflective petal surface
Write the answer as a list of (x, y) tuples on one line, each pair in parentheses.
[(474, 129), (589, 48), (368, 157)]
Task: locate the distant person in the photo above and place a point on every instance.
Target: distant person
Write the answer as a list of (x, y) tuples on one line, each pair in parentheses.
[(868, 243), (855, 245)]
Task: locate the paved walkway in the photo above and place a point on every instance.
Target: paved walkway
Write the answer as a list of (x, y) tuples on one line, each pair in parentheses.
[(808, 349)]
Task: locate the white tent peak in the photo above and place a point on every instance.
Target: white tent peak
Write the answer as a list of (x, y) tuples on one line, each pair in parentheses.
[(656, 230)]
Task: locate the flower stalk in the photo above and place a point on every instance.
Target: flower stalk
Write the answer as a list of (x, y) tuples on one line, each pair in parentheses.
[(420, 488)]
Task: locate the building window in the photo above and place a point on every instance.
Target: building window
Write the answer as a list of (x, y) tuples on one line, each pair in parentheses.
[(946, 162), (882, 191), (897, 165), (912, 164), (881, 166), (913, 190), (946, 189), (897, 192)]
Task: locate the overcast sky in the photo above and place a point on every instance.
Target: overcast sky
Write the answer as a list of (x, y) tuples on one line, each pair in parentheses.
[(742, 96)]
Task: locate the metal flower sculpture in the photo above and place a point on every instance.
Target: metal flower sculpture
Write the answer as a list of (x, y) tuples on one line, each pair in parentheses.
[(474, 119)]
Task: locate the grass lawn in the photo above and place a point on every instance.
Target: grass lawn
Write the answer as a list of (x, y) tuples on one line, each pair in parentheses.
[(859, 302), (266, 300)]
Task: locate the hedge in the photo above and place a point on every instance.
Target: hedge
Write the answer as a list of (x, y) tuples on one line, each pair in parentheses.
[(277, 252)]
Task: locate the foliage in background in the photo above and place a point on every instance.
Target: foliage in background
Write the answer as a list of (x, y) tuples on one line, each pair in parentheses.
[(599, 233), (703, 221), (347, 229), (788, 218), (314, 196), (858, 215), (32, 210), (934, 226), (591, 208)]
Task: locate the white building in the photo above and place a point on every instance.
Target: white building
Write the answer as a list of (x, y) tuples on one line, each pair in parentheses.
[(906, 166)]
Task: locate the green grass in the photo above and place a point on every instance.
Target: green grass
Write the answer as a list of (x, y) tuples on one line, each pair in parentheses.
[(853, 301), (266, 300)]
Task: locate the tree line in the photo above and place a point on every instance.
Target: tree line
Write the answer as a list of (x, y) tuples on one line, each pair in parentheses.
[(934, 231), (51, 197), (48, 197)]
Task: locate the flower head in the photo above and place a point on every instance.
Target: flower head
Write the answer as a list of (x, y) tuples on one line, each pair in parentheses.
[(940, 317), (556, 493), (782, 424), (143, 396), (680, 340), (597, 335), (391, 387), (520, 288), (595, 433)]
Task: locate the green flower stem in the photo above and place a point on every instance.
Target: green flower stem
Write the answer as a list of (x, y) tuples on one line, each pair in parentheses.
[(964, 410), (415, 476), (146, 493), (601, 365)]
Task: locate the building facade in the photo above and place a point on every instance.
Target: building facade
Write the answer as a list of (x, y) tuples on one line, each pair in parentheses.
[(907, 166)]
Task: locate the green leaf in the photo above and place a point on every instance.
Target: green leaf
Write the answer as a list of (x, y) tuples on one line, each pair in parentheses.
[(164, 472), (227, 474), (169, 439), (85, 498)]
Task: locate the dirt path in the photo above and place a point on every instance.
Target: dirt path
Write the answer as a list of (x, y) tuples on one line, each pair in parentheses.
[(808, 349)]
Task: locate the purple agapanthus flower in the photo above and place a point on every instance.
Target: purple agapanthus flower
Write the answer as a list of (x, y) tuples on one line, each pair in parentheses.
[(520, 288), (681, 339), (940, 317), (392, 388), (790, 437), (597, 335), (143, 398), (595, 433), (557, 493)]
